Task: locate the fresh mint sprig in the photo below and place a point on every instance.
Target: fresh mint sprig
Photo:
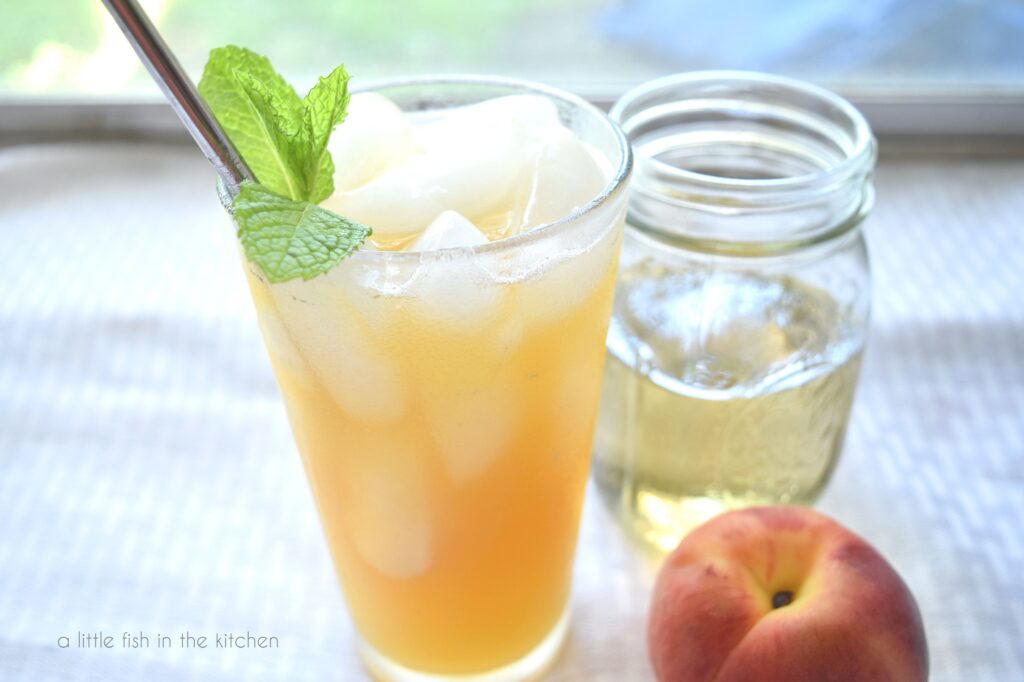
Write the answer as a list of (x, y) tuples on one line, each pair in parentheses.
[(283, 139)]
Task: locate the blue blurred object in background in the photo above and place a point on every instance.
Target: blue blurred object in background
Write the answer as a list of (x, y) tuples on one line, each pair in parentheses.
[(849, 40)]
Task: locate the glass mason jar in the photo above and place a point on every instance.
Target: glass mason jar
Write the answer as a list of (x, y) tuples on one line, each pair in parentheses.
[(742, 301), (443, 403)]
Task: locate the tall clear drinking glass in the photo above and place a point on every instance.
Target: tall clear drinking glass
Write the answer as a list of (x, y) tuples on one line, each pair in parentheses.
[(443, 403)]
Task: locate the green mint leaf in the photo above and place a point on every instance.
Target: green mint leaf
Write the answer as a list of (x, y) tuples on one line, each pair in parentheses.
[(220, 90), (260, 112), (288, 238), (283, 139), (324, 107), (276, 150)]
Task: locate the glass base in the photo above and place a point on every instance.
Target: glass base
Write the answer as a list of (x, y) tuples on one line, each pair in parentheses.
[(529, 667)]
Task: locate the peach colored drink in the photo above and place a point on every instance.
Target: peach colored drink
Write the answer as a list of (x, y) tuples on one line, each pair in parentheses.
[(444, 403)]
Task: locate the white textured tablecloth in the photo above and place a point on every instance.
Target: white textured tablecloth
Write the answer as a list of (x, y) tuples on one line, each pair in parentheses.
[(148, 480)]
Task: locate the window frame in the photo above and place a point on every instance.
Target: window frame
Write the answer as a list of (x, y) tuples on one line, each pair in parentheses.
[(974, 123)]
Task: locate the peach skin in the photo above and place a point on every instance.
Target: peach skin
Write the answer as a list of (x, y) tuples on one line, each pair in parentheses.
[(782, 594)]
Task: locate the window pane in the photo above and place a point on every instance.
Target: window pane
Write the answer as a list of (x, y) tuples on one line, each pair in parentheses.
[(61, 47)]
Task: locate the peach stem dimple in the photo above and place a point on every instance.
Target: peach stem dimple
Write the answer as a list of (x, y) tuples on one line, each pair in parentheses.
[(781, 598)]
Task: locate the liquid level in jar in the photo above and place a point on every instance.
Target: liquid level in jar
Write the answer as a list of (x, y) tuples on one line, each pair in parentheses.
[(721, 390)]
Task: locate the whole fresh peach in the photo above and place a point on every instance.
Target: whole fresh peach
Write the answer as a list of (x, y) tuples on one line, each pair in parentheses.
[(782, 594)]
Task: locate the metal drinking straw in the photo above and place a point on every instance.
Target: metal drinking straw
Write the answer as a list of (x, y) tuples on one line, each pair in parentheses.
[(180, 91)]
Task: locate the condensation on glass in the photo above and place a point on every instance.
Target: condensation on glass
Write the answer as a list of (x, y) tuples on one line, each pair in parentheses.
[(742, 302)]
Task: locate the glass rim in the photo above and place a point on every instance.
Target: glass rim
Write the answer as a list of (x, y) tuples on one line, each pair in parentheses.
[(616, 184), (860, 157)]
